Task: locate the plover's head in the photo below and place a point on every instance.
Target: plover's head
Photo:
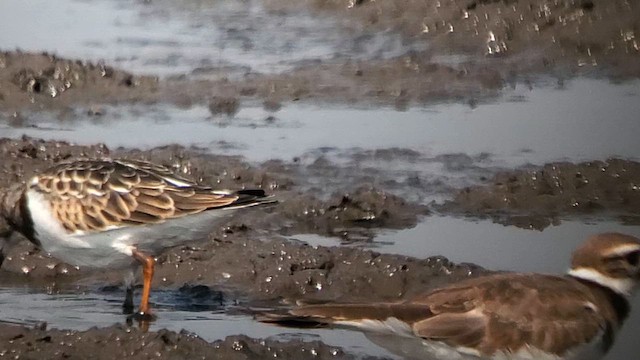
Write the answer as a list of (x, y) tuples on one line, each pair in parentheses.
[(611, 260)]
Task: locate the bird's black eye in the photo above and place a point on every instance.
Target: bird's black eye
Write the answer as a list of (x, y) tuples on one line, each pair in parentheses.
[(633, 258)]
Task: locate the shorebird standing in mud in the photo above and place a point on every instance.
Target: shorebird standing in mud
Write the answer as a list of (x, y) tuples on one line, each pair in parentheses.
[(118, 214), (506, 315)]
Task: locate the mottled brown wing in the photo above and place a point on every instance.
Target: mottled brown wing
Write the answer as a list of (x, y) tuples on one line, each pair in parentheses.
[(96, 195), (509, 311), (455, 317)]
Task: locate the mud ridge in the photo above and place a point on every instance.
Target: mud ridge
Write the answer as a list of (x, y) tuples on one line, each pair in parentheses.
[(131, 343), (540, 196)]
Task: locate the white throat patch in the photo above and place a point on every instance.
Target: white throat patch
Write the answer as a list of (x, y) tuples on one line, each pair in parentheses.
[(621, 286)]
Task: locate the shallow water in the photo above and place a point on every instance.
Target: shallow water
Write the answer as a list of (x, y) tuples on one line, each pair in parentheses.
[(184, 37), (586, 120), (449, 145), (174, 311)]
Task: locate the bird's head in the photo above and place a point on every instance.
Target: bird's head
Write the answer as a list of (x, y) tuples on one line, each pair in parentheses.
[(611, 260)]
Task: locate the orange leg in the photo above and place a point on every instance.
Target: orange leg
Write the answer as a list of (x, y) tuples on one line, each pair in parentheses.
[(147, 272)]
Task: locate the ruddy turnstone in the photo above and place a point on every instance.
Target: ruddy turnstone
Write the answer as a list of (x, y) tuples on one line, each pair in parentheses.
[(118, 214), (507, 315)]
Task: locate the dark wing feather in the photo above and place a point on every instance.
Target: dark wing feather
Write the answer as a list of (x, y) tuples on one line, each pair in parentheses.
[(327, 314), (96, 195)]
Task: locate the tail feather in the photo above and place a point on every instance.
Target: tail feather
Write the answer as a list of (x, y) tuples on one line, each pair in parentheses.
[(340, 314), (293, 321), (252, 192), (252, 197)]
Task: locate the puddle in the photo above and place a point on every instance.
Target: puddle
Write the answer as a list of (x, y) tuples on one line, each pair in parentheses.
[(83, 311), (185, 37), (587, 120), (497, 247), (478, 242)]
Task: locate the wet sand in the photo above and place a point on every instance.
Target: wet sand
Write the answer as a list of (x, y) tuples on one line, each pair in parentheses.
[(471, 52)]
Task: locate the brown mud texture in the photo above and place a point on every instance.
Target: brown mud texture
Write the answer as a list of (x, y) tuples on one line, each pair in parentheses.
[(131, 343), (490, 44), (538, 197), (250, 258)]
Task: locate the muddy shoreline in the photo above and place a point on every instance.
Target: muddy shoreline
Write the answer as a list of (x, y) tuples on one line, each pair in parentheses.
[(502, 44), (131, 343), (471, 52), (251, 259), (541, 196)]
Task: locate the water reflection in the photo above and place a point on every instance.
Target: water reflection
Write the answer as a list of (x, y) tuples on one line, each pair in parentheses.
[(589, 120), (222, 38), (81, 311)]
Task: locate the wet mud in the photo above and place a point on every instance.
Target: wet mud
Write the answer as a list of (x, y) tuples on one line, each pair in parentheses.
[(33, 82), (541, 196), (45, 81), (475, 49), (131, 343), (472, 51), (249, 257), (353, 215), (525, 36), (252, 260)]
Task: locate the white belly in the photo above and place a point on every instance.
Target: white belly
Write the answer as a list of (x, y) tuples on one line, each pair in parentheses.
[(112, 248), (415, 348), (590, 351), (398, 338)]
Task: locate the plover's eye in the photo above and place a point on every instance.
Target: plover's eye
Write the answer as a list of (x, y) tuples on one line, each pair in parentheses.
[(633, 258)]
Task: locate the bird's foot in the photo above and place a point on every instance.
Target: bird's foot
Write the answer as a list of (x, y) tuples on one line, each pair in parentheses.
[(142, 316), (144, 319)]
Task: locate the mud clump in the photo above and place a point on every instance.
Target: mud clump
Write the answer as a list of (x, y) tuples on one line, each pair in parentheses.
[(518, 35), (239, 260), (37, 81), (351, 216), (538, 197), (131, 343), (224, 106), (274, 269), (463, 50)]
